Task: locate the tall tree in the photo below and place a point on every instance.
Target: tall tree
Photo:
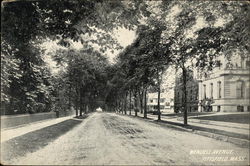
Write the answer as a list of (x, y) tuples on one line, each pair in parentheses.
[(205, 42), (25, 24)]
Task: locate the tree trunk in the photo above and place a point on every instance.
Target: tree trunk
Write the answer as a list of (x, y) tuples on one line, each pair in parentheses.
[(77, 106), (81, 108), (158, 102), (81, 102), (125, 104), (130, 102), (141, 100), (76, 103), (121, 106), (69, 97), (145, 102), (184, 76), (77, 111), (135, 103), (116, 106), (86, 110)]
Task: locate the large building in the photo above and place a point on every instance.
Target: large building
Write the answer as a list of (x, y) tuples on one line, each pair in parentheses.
[(226, 88), (192, 93)]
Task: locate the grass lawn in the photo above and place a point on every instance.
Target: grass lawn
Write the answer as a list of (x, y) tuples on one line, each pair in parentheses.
[(189, 114), (234, 118), (35, 140)]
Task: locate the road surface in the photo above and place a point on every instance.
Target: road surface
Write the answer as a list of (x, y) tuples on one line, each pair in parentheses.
[(112, 139)]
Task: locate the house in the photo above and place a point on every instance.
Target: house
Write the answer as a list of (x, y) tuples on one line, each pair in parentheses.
[(192, 93), (166, 101), (226, 87)]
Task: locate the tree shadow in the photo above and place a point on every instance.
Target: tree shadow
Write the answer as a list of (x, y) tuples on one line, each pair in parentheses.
[(33, 141)]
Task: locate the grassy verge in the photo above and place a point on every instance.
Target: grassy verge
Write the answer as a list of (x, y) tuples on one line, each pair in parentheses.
[(233, 118), (35, 140), (189, 114)]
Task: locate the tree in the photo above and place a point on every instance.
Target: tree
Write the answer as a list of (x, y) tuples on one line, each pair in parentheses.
[(86, 75), (144, 61), (209, 40), (28, 89), (25, 24), (9, 73)]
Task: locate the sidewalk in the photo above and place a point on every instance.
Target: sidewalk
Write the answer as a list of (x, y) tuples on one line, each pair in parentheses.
[(232, 132), (9, 133)]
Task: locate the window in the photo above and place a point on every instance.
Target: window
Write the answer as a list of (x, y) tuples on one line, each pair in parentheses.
[(211, 90), (196, 95), (151, 100), (239, 89), (218, 108), (162, 100), (204, 91), (191, 95), (219, 89), (240, 108), (247, 64)]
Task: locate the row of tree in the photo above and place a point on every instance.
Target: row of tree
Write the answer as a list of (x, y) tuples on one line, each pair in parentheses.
[(27, 84), (87, 79), (160, 44)]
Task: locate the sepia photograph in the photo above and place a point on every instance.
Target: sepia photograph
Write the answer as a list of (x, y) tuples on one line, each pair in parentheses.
[(125, 82)]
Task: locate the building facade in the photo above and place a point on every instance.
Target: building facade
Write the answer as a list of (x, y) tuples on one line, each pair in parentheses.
[(166, 102), (192, 93), (226, 88)]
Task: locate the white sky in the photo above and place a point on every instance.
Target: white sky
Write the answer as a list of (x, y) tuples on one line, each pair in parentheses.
[(124, 36)]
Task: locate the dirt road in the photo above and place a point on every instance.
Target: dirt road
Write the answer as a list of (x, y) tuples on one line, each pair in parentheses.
[(111, 139)]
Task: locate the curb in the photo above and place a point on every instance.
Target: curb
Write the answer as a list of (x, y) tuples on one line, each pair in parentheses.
[(196, 121), (159, 123), (209, 122), (237, 141), (172, 126)]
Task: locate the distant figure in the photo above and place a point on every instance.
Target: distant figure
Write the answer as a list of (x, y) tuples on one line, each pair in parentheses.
[(99, 109)]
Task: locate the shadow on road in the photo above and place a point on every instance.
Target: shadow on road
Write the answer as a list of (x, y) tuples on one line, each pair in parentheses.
[(81, 117), (35, 140)]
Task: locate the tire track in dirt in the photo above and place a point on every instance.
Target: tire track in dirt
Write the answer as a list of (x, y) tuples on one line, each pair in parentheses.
[(136, 139)]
